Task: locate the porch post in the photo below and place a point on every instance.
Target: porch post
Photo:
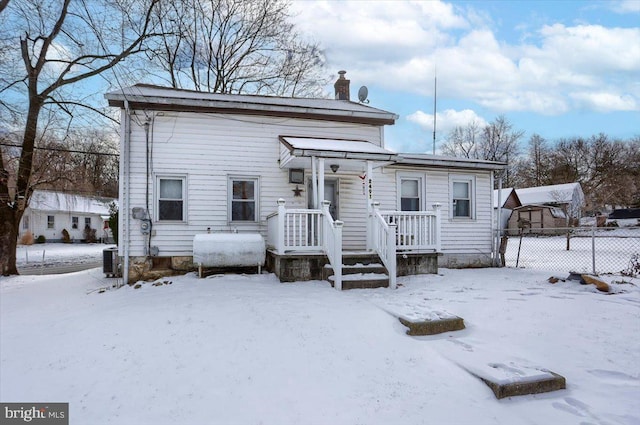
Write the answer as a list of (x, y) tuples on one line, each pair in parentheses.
[(320, 197), (337, 249), (281, 222), (436, 208), (314, 183), (369, 196)]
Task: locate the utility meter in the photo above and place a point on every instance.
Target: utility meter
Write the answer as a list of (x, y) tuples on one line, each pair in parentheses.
[(145, 227)]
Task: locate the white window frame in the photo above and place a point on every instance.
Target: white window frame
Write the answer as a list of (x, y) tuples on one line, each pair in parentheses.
[(256, 198), (422, 188), (26, 222), (74, 222), (51, 224), (85, 222), (463, 178), (156, 197)]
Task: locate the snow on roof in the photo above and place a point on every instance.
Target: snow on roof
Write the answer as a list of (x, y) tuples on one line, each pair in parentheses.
[(43, 200), (144, 93), (557, 193)]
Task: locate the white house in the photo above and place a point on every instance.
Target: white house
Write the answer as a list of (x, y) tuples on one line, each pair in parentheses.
[(49, 213), (195, 163)]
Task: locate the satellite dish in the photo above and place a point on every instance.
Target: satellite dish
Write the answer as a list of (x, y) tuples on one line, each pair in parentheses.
[(362, 94)]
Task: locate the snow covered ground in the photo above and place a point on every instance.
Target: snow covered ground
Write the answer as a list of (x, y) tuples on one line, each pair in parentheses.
[(57, 254), (235, 349)]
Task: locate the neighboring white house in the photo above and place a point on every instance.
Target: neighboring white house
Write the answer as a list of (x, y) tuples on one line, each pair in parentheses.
[(194, 163), (50, 212)]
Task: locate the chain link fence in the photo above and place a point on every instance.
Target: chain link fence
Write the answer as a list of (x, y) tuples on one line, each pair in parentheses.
[(597, 250)]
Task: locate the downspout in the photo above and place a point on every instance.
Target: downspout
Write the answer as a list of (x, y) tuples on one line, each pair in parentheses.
[(148, 142), (126, 192), (499, 224)]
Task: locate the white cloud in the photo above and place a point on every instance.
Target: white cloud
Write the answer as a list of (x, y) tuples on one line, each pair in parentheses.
[(397, 46), (626, 6), (605, 101), (446, 120)]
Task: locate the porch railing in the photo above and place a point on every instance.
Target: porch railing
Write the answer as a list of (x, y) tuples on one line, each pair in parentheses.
[(307, 230), (416, 230), (294, 229), (384, 242)]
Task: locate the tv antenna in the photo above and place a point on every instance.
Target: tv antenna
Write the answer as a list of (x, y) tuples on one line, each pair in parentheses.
[(435, 96), (362, 94)]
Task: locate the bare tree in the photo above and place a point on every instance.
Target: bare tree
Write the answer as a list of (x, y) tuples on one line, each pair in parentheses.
[(236, 46), (497, 141), (463, 141), (533, 169), (60, 44)]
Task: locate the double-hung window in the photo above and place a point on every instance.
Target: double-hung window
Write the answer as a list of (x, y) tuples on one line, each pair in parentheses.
[(243, 199), (411, 191), (410, 194), (51, 222), (462, 196), (87, 222), (74, 222), (171, 198)]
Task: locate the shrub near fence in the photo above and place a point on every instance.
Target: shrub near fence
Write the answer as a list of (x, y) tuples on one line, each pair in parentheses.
[(590, 250)]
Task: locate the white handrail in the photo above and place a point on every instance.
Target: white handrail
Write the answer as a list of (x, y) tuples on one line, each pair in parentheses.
[(332, 238), (384, 242)]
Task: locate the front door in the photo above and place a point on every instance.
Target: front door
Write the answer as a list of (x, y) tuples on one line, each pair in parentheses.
[(330, 194)]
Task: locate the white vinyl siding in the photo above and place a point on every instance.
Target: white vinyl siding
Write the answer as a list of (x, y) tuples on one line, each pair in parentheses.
[(464, 241), (212, 147)]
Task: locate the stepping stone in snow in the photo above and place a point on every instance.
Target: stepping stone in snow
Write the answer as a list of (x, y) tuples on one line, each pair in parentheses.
[(509, 380), (431, 323)]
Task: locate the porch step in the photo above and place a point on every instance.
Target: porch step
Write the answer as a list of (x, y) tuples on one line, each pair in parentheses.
[(358, 268), (362, 280)]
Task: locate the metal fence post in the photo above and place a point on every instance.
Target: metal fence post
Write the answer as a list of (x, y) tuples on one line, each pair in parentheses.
[(593, 249)]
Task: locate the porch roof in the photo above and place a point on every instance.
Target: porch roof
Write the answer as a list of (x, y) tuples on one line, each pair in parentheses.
[(346, 153)]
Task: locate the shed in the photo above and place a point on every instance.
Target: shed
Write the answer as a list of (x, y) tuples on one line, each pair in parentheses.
[(537, 219), (567, 196)]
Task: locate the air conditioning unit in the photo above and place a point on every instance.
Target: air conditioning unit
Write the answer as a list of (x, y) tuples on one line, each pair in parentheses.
[(110, 262)]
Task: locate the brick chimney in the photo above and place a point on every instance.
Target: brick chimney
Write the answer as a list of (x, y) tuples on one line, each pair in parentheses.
[(342, 86)]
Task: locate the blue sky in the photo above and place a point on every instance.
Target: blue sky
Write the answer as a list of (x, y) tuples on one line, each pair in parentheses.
[(556, 68)]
